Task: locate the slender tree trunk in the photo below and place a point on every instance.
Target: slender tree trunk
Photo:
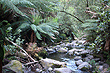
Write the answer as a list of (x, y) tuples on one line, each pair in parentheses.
[(32, 36), (0, 65)]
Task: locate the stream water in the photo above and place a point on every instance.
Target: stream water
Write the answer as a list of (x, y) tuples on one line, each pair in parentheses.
[(68, 59)]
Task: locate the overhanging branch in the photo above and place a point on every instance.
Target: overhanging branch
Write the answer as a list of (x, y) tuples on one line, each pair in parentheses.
[(73, 16)]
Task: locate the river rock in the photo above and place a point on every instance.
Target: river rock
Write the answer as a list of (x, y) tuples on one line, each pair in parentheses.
[(100, 68), (14, 65), (63, 45), (77, 58), (50, 50), (46, 63), (86, 59), (77, 53), (96, 59), (107, 71), (105, 65), (79, 62), (84, 66), (71, 52), (81, 41), (62, 50), (85, 52), (50, 69), (62, 70), (68, 45), (90, 56)]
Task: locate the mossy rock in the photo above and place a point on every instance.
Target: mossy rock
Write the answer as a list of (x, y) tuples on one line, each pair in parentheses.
[(14, 65), (37, 56), (43, 53), (63, 36)]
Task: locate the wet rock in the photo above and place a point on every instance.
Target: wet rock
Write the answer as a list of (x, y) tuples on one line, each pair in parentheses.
[(86, 59), (46, 63), (50, 50), (79, 62), (81, 46), (38, 70), (81, 41), (14, 65), (100, 63), (84, 66), (90, 56), (80, 51), (72, 51), (77, 53), (77, 58), (105, 66), (100, 68), (96, 59), (63, 45), (85, 52), (58, 46), (62, 70), (62, 50), (68, 45), (50, 69), (107, 71)]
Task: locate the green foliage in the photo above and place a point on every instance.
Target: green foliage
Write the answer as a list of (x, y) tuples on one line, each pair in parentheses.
[(13, 37), (98, 29), (3, 26)]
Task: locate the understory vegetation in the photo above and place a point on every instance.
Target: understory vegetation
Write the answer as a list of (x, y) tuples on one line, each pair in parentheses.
[(29, 25)]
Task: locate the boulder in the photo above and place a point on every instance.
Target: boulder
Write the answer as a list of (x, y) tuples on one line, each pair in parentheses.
[(62, 50), (84, 66), (62, 70), (77, 58), (46, 63), (15, 66), (79, 62)]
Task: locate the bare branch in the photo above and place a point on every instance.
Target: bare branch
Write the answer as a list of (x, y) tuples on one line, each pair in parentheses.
[(21, 49), (73, 16)]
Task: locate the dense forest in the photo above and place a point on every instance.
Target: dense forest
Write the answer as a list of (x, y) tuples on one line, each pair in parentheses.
[(55, 36)]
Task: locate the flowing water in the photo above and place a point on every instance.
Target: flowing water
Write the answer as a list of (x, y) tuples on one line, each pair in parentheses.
[(68, 59)]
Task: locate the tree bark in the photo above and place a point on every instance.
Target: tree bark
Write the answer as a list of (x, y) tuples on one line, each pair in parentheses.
[(0, 65)]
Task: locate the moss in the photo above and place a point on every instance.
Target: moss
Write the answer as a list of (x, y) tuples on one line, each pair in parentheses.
[(15, 66), (43, 53), (57, 72), (55, 66)]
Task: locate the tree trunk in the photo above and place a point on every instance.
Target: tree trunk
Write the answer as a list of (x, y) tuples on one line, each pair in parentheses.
[(0, 65), (107, 45)]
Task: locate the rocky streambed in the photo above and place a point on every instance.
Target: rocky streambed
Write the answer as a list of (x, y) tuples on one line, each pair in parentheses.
[(64, 58)]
